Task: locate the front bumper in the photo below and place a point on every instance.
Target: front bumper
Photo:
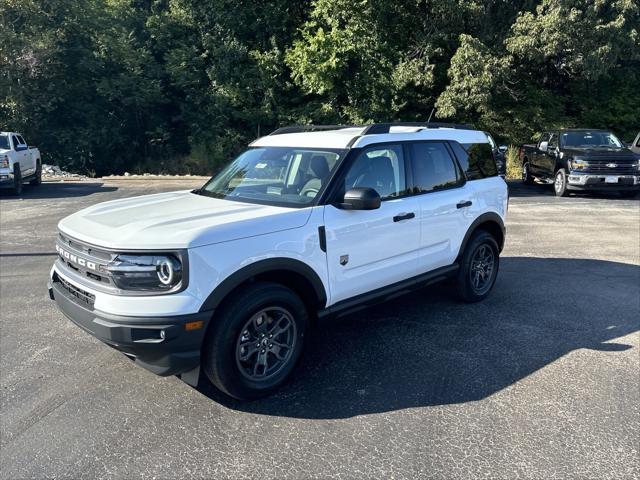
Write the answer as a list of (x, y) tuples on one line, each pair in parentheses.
[(589, 181), (160, 344), (6, 179)]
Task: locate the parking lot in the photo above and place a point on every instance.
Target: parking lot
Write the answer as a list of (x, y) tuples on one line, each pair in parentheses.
[(542, 380)]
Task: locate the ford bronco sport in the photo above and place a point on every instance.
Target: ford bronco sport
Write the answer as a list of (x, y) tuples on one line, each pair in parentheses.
[(308, 222)]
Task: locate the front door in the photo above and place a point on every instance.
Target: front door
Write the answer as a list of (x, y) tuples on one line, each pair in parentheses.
[(537, 158), (370, 249), (548, 159)]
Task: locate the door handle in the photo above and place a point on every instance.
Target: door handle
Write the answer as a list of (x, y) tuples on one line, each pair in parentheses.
[(468, 203), (404, 216)]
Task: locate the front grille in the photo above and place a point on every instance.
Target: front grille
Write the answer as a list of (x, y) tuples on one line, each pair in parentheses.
[(85, 260), (619, 170), (605, 167), (80, 295)]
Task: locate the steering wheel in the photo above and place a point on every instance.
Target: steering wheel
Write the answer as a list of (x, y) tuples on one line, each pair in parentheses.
[(309, 192)]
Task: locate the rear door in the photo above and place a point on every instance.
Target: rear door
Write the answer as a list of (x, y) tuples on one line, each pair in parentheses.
[(446, 203), (370, 249), (29, 162)]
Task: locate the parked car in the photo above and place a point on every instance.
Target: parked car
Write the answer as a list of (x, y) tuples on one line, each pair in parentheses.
[(582, 159), (18, 162), (303, 225), (635, 146), (499, 154)]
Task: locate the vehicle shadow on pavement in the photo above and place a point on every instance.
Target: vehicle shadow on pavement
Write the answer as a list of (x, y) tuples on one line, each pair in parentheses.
[(519, 190), (60, 190), (426, 349)]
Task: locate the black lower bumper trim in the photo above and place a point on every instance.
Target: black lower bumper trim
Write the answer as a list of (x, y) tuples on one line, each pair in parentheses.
[(159, 344), (605, 187)]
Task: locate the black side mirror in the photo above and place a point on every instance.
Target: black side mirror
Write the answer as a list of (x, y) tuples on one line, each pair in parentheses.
[(360, 198)]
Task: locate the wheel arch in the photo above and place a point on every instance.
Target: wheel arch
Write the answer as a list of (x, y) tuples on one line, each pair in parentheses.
[(490, 222), (293, 274)]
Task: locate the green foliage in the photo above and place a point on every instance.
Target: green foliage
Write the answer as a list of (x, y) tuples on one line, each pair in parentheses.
[(104, 86), (514, 164)]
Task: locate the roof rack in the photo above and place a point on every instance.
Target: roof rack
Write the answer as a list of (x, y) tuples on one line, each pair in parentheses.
[(372, 129), (377, 128), (311, 128)]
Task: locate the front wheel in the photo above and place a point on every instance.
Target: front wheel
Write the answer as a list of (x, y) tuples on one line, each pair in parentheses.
[(17, 181), (478, 267), (628, 194), (255, 340), (560, 183)]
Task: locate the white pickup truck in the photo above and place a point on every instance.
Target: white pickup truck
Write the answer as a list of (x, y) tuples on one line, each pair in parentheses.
[(18, 162)]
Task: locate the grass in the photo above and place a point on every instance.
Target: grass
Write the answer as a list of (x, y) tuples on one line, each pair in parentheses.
[(514, 165)]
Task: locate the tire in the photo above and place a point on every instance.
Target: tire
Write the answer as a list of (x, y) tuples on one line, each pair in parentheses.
[(527, 179), (37, 180), (560, 183), (629, 194), (481, 245), (17, 181), (231, 359)]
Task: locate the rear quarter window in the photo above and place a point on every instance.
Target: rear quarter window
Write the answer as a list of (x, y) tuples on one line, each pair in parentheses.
[(476, 160)]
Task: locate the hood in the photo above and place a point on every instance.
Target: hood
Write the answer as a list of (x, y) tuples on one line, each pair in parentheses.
[(600, 153), (4, 150), (176, 220)]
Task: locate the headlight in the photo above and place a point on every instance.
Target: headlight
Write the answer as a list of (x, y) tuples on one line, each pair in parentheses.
[(146, 272), (578, 164), (4, 161)]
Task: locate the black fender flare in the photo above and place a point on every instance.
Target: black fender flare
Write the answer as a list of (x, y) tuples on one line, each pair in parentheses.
[(489, 217), (264, 266)]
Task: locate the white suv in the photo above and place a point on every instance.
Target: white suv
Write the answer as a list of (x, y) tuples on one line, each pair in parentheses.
[(308, 222)]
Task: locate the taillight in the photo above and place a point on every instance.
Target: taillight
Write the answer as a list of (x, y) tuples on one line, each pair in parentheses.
[(4, 161)]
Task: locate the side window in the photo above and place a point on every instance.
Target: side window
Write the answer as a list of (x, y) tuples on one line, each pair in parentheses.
[(553, 141), (476, 160), (15, 141), (638, 142), (433, 168), (380, 168), (21, 140)]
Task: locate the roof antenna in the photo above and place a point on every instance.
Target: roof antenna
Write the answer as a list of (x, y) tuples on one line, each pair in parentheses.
[(431, 114)]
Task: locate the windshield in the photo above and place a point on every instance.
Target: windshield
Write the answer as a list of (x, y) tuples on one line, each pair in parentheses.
[(590, 139), (282, 176), (4, 142)]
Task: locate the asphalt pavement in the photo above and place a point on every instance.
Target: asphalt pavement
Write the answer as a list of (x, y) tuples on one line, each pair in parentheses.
[(541, 380)]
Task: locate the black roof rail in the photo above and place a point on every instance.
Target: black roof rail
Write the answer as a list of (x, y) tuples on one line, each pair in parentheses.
[(377, 128), (310, 128)]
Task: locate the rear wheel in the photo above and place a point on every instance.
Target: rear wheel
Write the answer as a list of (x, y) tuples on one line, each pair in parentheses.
[(37, 180), (255, 340), (527, 179), (478, 267), (17, 180), (560, 183)]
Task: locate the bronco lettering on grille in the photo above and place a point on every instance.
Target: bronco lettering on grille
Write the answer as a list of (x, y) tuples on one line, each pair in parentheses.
[(70, 257)]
